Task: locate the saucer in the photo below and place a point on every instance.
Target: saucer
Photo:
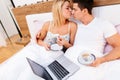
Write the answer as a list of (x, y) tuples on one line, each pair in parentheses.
[(86, 58), (56, 47)]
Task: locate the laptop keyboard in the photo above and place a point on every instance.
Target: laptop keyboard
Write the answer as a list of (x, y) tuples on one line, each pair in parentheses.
[(58, 70)]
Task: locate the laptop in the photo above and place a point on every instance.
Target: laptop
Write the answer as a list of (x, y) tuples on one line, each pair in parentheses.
[(60, 69)]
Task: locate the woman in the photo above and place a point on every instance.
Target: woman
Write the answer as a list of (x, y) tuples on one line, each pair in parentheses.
[(60, 26), (60, 30)]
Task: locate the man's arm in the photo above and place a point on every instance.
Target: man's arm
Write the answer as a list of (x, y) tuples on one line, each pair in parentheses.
[(114, 41), (114, 54)]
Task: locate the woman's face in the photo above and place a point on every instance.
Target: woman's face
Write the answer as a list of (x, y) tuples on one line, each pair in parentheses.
[(66, 10)]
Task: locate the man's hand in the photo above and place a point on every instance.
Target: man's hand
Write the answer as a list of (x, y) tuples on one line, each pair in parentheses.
[(97, 62)]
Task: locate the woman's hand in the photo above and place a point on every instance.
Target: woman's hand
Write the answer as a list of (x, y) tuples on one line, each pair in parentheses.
[(47, 46), (61, 41)]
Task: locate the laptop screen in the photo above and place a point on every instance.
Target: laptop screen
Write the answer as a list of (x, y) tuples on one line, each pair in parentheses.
[(39, 70)]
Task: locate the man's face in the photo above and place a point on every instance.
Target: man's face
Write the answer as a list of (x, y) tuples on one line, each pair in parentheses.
[(77, 12)]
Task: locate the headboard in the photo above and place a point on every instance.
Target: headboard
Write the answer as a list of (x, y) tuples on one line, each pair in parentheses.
[(44, 7), (106, 2)]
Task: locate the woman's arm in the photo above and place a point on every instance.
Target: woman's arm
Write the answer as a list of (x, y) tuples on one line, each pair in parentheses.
[(42, 36), (73, 31)]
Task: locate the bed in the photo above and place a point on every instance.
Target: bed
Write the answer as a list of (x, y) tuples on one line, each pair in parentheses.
[(17, 67)]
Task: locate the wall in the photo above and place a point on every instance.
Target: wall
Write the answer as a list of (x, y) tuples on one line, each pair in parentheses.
[(110, 13), (2, 38), (6, 19)]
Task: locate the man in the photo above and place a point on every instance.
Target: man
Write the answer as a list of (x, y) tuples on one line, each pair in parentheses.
[(82, 12), (93, 33)]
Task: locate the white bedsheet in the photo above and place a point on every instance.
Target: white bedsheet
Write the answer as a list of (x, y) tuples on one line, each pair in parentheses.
[(106, 71), (17, 67)]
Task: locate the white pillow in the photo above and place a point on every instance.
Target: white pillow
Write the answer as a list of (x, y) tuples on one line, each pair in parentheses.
[(35, 23)]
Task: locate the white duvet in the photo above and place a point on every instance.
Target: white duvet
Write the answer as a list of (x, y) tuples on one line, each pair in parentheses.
[(17, 67), (106, 71)]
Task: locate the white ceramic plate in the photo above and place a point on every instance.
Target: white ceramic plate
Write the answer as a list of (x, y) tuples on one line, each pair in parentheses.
[(86, 58), (56, 47)]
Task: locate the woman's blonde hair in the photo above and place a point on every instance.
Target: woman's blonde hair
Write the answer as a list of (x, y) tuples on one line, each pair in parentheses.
[(58, 18)]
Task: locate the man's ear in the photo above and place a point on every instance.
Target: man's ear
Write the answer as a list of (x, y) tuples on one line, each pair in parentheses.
[(85, 10)]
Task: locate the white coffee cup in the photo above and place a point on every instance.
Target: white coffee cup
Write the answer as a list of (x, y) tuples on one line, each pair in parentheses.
[(86, 57)]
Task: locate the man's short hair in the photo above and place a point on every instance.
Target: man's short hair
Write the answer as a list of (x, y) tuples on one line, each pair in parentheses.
[(82, 4)]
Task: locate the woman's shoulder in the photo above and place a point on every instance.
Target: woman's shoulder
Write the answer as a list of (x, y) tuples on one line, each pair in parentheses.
[(72, 24)]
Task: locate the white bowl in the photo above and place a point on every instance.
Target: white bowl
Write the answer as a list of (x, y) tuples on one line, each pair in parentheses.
[(56, 47)]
